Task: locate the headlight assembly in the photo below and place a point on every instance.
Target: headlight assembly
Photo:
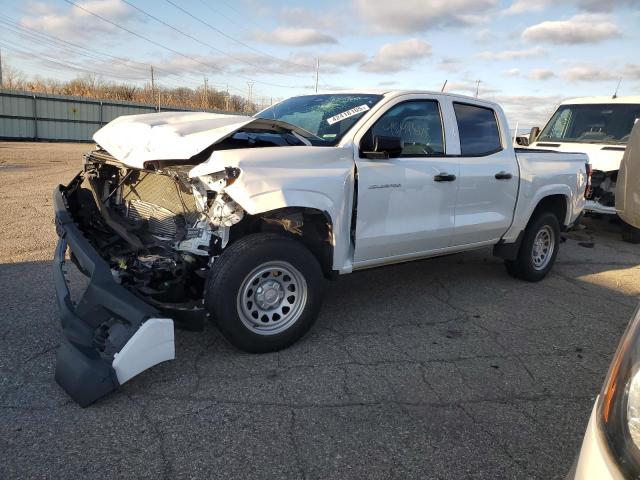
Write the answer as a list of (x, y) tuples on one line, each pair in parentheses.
[(619, 405)]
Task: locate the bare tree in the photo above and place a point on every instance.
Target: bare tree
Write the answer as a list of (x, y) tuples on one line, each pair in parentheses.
[(92, 86)]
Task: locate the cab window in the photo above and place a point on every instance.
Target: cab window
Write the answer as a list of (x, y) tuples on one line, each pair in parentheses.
[(417, 122), (478, 130)]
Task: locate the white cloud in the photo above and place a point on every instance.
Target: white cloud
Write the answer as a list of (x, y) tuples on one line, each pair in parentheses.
[(412, 16), (527, 110), (74, 23), (294, 36), (328, 20), (529, 6), (450, 65), (512, 72), (587, 73), (342, 59), (583, 28), (526, 6), (469, 87), (484, 35), (541, 74), (512, 54), (393, 57)]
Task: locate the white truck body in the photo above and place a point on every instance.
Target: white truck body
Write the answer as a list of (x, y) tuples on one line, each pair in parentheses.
[(474, 211), (598, 127), (181, 215)]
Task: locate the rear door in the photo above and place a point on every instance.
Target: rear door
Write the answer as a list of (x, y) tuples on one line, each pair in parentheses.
[(406, 205), (489, 176)]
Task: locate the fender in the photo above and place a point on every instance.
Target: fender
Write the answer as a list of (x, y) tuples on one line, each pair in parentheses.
[(528, 202), (547, 191), (271, 178)]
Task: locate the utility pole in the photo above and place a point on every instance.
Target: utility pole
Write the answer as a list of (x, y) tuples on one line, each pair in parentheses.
[(227, 99), (153, 88), (0, 68), (250, 94), (206, 95), (477, 87), (317, 72)]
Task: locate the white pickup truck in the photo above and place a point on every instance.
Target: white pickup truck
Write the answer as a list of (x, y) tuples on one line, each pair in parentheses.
[(178, 216), (599, 127)]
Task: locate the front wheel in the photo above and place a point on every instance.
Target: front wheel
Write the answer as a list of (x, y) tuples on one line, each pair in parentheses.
[(264, 292), (539, 249)]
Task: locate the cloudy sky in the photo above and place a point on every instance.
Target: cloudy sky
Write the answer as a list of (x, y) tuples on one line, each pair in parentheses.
[(527, 54)]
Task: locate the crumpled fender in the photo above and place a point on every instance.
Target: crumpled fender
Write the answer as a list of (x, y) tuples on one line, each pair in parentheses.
[(298, 176)]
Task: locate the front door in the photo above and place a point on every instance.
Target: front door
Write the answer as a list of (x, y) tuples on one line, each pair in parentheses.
[(406, 205)]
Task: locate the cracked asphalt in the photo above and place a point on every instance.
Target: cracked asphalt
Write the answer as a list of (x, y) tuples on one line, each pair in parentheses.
[(446, 368)]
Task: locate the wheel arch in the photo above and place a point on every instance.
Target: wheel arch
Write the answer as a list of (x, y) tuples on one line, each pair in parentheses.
[(311, 226), (558, 204)]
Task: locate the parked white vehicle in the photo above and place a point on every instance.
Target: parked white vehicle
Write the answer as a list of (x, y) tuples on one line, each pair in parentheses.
[(599, 127), (611, 446), (177, 215)]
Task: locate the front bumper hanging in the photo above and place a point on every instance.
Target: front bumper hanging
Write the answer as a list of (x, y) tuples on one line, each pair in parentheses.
[(110, 335)]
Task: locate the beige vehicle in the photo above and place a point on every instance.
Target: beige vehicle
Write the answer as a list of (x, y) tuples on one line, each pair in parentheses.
[(628, 185), (611, 445)]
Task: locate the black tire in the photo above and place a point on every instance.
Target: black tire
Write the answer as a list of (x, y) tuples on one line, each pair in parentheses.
[(630, 234), (524, 267), (229, 273)]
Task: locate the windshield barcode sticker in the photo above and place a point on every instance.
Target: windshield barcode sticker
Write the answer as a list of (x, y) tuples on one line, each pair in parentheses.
[(349, 113)]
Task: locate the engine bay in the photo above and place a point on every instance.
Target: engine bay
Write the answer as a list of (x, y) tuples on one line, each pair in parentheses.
[(158, 229), (603, 187)]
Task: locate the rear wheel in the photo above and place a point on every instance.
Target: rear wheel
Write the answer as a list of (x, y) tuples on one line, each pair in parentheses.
[(630, 234), (264, 292), (538, 250)]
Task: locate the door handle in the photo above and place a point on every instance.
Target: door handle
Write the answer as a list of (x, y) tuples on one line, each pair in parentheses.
[(503, 176), (444, 177)]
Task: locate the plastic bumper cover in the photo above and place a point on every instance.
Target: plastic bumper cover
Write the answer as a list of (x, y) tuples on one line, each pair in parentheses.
[(110, 335), (595, 207), (594, 461)]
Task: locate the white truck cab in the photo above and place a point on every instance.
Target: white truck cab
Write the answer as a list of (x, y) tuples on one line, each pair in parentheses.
[(599, 127)]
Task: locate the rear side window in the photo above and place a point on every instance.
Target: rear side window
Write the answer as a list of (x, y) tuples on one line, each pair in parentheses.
[(478, 128)]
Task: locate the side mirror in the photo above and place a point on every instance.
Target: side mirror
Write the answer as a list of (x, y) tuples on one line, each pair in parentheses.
[(523, 141), (535, 131), (385, 147)]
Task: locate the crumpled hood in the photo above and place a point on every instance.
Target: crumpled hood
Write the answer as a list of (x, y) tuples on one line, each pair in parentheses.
[(135, 139)]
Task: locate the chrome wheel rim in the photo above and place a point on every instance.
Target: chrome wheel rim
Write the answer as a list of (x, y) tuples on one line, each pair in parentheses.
[(271, 298), (543, 246)]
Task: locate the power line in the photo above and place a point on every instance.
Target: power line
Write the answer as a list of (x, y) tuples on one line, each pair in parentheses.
[(78, 49), (153, 42), (233, 38), (195, 39), (66, 65), (227, 17)]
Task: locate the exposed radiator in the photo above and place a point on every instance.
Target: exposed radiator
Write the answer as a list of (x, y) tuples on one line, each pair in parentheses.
[(160, 221), (162, 202)]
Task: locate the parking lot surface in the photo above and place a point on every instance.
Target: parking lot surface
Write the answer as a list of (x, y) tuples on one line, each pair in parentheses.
[(445, 368)]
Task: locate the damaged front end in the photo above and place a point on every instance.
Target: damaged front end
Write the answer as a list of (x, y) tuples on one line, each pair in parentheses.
[(602, 196), (142, 242)]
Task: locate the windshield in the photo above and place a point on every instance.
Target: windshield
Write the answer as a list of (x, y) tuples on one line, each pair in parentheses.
[(327, 117), (595, 123)]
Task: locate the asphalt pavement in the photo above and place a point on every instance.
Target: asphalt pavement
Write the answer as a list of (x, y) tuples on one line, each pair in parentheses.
[(445, 368)]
